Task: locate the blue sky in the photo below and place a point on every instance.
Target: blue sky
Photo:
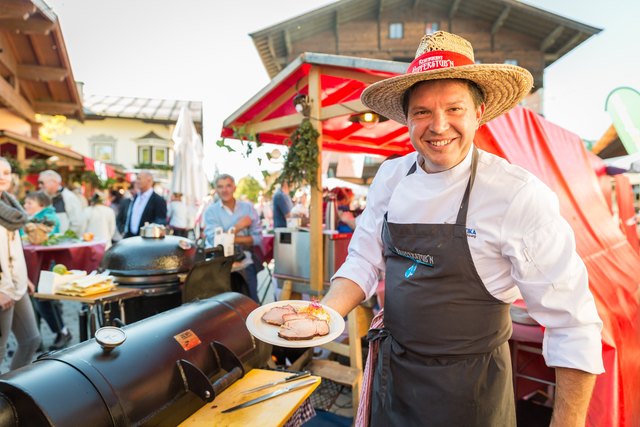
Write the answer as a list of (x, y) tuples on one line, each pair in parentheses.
[(201, 50)]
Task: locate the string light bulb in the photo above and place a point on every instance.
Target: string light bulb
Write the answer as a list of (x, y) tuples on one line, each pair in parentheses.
[(302, 104)]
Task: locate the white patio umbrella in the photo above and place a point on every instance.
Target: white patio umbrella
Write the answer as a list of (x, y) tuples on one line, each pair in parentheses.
[(188, 171)]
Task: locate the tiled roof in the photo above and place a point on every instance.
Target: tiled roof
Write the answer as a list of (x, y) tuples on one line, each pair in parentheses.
[(139, 108)]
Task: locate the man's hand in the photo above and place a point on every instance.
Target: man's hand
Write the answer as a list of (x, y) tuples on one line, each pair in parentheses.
[(31, 288), (573, 394), (242, 223)]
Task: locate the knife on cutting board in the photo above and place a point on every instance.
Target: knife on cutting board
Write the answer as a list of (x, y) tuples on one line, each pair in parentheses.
[(271, 395), (282, 381)]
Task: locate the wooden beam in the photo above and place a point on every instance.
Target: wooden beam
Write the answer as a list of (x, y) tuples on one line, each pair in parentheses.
[(336, 31), (378, 21), (21, 154), (287, 42), (277, 62), (551, 38), (500, 21), (274, 124), (16, 102), (275, 104), (41, 73), (6, 53), (454, 9), (564, 49), (30, 26), (50, 107), (350, 74), (317, 238), (347, 108), (292, 120), (16, 9)]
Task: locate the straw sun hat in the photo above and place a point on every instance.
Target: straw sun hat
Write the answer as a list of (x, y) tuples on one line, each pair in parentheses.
[(443, 55)]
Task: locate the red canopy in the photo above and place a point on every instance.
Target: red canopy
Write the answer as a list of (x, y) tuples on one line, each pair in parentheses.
[(272, 115), (559, 158), (555, 155)]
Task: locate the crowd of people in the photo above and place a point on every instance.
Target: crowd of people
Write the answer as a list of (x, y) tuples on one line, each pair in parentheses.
[(110, 216)]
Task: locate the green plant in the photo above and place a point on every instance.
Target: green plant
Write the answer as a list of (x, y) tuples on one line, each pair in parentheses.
[(38, 165), (95, 181), (148, 166), (249, 187), (15, 166), (301, 161), (249, 141)]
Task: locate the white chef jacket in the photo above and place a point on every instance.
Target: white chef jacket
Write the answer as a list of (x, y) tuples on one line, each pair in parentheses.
[(519, 243)]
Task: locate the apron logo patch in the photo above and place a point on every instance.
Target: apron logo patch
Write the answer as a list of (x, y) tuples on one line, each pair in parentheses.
[(422, 259), (471, 232)]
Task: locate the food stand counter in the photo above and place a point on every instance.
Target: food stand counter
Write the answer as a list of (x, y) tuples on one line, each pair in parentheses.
[(291, 252)]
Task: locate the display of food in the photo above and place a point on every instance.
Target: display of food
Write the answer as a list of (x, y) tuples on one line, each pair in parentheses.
[(37, 232), (89, 285), (301, 323)]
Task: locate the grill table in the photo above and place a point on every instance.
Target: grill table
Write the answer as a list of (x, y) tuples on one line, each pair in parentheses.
[(271, 413), (90, 320)]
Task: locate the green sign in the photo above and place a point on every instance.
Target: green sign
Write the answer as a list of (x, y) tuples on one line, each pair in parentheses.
[(623, 105)]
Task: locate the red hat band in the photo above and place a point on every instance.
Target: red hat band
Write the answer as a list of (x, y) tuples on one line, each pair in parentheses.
[(437, 59)]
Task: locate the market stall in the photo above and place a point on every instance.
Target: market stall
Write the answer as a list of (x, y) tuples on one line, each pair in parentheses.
[(332, 86)]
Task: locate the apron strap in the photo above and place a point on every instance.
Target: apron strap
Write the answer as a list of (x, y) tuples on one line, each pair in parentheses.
[(464, 206), (387, 345)]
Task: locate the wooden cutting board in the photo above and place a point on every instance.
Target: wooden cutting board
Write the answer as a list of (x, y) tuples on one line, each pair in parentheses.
[(273, 412)]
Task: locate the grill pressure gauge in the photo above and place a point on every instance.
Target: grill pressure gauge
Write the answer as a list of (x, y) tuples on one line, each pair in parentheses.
[(110, 337)]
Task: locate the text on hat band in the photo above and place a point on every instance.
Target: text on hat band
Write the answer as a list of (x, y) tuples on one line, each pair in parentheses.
[(437, 59)]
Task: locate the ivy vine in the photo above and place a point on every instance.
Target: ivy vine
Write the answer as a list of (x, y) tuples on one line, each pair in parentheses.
[(301, 160), (249, 142)]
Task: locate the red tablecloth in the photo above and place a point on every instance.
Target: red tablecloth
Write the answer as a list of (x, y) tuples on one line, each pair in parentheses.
[(267, 247), (78, 256)]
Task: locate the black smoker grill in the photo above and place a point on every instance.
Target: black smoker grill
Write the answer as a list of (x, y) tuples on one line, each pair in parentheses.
[(153, 264), (159, 376)]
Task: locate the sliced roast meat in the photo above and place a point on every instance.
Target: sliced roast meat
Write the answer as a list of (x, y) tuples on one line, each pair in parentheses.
[(303, 329), (294, 316), (274, 316)]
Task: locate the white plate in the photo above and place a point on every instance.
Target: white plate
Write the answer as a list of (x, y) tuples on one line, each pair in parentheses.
[(269, 333)]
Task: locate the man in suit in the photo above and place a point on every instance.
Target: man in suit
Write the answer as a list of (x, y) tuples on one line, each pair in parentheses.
[(147, 206)]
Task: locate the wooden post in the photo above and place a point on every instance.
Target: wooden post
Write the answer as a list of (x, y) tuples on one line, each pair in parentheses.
[(316, 250), (21, 155)]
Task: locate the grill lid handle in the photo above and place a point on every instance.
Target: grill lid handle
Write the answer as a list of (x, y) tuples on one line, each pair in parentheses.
[(197, 382)]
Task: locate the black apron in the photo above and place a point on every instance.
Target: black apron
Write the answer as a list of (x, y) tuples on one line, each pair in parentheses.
[(444, 353)]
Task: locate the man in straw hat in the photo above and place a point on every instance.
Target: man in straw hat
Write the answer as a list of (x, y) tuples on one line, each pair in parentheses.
[(461, 234)]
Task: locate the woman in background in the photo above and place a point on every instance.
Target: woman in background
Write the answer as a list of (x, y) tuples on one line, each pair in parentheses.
[(100, 220), (16, 312)]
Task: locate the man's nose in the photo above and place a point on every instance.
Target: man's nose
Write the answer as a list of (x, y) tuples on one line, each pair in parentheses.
[(439, 122)]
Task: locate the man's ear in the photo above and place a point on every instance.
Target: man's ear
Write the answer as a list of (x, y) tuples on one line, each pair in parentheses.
[(480, 113)]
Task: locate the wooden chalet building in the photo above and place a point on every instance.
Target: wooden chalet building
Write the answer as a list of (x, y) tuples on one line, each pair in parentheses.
[(35, 77), (501, 31)]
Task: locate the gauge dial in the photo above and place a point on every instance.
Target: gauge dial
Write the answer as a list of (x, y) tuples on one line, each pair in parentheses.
[(110, 337)]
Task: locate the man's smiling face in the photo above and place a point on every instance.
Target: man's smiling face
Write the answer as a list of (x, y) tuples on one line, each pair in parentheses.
[(442, 120)]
